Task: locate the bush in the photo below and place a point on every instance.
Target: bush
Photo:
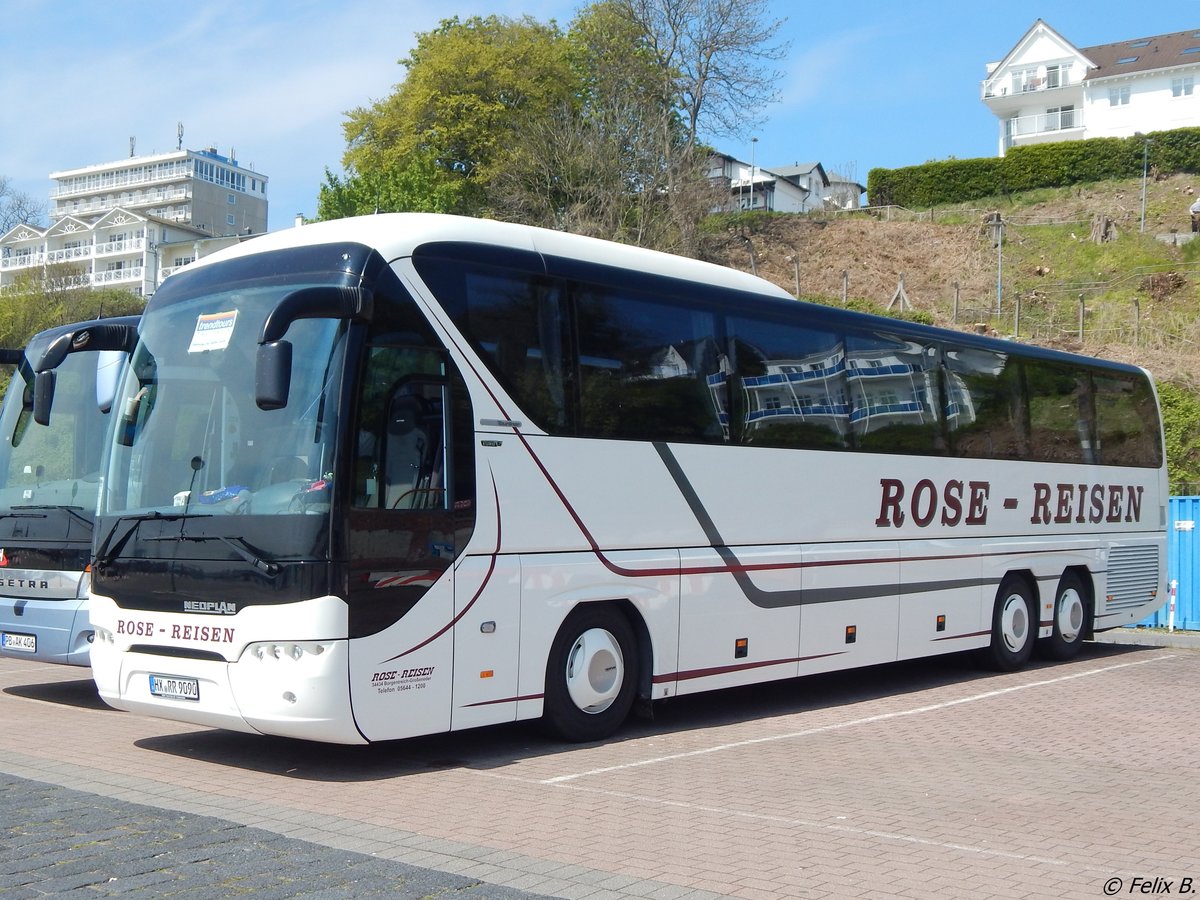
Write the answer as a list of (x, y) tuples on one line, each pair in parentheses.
[(1035, 166)]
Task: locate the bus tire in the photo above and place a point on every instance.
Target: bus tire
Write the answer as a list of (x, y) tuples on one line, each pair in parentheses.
[(591, 675), (1014, 626), (1070, 620)]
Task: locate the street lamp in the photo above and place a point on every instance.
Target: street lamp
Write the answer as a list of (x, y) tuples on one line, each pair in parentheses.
[(753, 144), (1145, 159)]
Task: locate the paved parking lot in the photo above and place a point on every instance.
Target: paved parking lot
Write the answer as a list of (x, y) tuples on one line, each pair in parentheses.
[(927, 779)]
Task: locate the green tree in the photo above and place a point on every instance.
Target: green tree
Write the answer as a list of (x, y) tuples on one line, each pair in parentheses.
[(419, 185), (614, 162), (470, 89), (39, 299)]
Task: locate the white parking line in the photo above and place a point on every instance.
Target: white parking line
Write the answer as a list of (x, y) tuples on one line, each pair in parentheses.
[(837, 726), (823, 826)]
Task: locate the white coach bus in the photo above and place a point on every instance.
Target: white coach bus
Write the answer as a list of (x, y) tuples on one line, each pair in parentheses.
[(49, 478), (404, 474)]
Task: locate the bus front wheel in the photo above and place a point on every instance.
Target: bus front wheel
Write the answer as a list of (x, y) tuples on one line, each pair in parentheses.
[(1070, 620), (591, 674), (1014, 626)]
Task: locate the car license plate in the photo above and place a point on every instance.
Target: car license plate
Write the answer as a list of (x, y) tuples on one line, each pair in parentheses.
[(26, 643), (172, 687)]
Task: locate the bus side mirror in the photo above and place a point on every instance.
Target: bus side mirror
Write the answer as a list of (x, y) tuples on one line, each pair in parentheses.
[(43, 396), (273, 374), (109, 364)]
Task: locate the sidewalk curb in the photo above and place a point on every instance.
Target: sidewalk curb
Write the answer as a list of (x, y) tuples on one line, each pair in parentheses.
[(1151, 637)]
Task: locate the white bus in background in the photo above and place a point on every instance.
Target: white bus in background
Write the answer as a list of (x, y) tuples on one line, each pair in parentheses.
[(49, 479), (396, 475)]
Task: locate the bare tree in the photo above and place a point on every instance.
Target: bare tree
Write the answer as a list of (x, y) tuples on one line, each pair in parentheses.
[(717, 57), (16, 207)]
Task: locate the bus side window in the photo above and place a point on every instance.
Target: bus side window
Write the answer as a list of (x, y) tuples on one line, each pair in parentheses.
[(406, 453), (398, 455), (985, 405), (1061, 418)]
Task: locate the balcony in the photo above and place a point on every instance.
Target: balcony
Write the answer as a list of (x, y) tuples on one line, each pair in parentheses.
[(69, 254), (23, 261), (118, 276), (134, 201), (1022, 84), (115, 248), (82, 185), (1054, 124)]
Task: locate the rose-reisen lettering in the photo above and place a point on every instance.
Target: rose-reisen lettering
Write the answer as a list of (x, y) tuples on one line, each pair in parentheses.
[(958, 502), (1079, 503)]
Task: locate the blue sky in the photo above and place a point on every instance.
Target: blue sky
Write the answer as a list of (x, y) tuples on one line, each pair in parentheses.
[(873, 83)]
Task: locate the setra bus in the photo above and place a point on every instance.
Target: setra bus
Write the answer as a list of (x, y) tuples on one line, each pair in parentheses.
[(49, 479), (395, 475)]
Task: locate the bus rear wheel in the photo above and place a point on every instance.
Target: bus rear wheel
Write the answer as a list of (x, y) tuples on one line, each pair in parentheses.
[(1070, 620), (1014, 626), (591, 674)]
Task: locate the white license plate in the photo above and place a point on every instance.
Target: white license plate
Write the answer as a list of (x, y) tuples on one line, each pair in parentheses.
[(26, 643), (173, 687)]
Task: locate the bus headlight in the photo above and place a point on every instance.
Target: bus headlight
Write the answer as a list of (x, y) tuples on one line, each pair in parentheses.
[(267, 651)]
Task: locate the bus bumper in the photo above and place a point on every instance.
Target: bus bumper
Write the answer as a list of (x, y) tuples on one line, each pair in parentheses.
[(54, 631), (293, 689)]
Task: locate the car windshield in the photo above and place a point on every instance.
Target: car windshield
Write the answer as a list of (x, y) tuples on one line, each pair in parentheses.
[(188, 437), (56, 464)]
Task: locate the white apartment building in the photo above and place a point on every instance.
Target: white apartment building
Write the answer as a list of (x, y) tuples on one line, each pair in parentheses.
[(130, 223), (1047, 89), (200, 188)]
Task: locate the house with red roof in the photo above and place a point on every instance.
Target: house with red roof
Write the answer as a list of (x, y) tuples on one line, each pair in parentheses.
[(1047, 89)]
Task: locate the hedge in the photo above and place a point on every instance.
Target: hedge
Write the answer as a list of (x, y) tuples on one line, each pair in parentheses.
[(1035, 166)]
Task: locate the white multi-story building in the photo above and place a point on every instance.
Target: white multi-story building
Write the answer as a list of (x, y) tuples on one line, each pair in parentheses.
[(201, 188), (131, 223), (1047, 89)]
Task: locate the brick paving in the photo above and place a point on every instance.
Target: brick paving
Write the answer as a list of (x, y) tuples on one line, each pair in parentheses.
[(927, 779)]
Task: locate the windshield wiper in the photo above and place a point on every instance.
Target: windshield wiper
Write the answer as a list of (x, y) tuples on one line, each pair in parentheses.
[(72, 511), (109, 549), (240, 546)]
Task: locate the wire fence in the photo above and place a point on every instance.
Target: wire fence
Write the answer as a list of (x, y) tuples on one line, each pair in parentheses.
[(891, 213)]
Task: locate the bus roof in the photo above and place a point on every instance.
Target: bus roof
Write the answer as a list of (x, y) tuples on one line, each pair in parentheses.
[(396, 235)]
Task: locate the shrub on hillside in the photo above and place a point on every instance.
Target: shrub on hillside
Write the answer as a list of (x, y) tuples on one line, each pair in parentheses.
[(1058, 164)]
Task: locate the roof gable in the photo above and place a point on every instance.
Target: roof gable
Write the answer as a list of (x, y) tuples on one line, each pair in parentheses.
[(1041, 42), (21, 232), (68, 225), (116, 217)]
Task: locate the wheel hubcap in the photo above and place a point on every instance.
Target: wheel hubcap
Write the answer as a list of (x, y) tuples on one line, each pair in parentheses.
[(1070, 615), (1014, 623), (595, 670)]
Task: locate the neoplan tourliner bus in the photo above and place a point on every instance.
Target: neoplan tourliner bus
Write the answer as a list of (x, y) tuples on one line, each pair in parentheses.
[(396, 475), (49, 479)]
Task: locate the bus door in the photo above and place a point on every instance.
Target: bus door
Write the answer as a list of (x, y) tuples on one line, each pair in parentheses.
[(410, 506)]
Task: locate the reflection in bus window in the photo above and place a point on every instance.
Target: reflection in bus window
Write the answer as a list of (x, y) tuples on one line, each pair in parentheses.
[(1126, 422), (985, 408), (1061, 418), (792, 384), (644, 369), (893, 384)]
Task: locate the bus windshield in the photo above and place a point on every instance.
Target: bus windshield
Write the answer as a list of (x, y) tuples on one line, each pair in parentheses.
[(189, 438), (59, 464)]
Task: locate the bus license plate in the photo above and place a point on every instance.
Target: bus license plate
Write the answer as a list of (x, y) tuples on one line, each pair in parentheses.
[(171, 687), (26, 643)]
